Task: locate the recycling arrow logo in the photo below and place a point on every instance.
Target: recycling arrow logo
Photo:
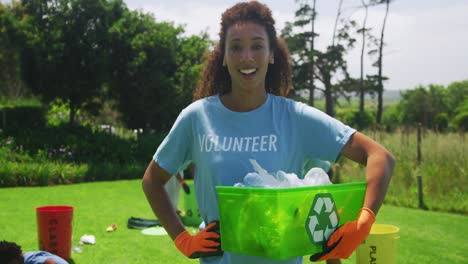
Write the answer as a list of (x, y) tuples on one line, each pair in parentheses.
[(322, 219)]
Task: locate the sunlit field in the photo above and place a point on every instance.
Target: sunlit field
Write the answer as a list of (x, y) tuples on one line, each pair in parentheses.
[(443, 169)]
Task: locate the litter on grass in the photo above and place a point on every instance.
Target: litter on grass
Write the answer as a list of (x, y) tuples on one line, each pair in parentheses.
[(141, 223), (77, 249), (111, 228), (154, 231), (87, 239)]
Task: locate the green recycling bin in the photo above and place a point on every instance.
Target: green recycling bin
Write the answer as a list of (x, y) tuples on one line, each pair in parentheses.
[(285, 222), (188, 203)]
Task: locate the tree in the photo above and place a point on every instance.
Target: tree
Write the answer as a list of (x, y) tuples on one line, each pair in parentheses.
[(153, 69), (363, 31), (332, 65), (66, 54), (379, 44), (457, 97), (380, 78), (143, 63), (302, 47), (328, 64), (309, 63), (10, 39), (337, 19), (190, 57), (423, 104)]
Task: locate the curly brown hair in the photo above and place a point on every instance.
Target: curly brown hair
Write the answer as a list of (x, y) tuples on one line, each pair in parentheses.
[(10, 251), (215, 78)]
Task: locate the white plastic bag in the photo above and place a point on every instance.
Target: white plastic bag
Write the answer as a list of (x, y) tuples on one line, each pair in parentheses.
[(280, 179)]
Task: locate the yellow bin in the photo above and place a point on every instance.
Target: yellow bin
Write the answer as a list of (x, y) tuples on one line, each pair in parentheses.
[(380, 246)]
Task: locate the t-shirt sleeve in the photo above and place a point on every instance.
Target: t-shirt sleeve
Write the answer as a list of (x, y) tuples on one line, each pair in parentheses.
[(39, 257), (174, 153), (322, 136)]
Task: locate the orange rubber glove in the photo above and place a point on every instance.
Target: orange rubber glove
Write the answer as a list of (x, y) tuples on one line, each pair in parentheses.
[(347, 238), (205, 243), (185, 186)]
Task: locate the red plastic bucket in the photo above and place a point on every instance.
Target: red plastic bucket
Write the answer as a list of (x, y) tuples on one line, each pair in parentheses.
[(54, 229)]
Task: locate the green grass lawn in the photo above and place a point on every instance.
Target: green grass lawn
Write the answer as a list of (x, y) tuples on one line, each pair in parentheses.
[(425, 237)]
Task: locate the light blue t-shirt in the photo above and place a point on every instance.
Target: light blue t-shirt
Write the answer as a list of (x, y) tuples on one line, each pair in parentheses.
[(39, 257), (280, 135)]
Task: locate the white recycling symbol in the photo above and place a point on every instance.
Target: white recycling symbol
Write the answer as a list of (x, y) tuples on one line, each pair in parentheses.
[(322, 219)]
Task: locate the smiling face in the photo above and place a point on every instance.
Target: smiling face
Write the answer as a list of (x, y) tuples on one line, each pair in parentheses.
[(247, 55)]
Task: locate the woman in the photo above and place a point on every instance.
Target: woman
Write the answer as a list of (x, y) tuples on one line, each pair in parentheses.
[(11, 253), (241, 114)]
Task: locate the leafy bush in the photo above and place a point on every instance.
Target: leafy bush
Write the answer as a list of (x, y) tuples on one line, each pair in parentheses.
[(461, 121), (391, 118), (441, 122), (41, 173), (114, 171), (356, 119), (23, 117), (9, 151), (61, 155), (20, 168), (44, 173), (146, 145), (75, 144), (58, 113)]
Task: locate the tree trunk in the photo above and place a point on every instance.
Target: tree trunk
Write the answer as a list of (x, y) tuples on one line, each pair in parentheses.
[(362, 89), (338, 14), (329, 102), (311, 86), (380, 65), (312, 47), (72, 115)]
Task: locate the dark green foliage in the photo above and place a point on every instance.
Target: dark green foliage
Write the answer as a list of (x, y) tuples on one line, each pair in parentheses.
[(85, 145), (143, 63), (114, 171), (85, 53), (461, 121), (22, 118), (80, 144), (41, 173), (434, 106), (416, 105), (65, 51), (46, 173), (150, 63), (10, 84), (391, 119), (356, 119), (441, 122), (61, 155), (190, 59), (457, 97), (145, 146)]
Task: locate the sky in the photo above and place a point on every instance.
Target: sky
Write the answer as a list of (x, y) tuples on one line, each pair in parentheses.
[(426, 40)]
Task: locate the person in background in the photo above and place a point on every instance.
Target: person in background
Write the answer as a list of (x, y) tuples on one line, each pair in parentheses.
[(241, 112), (173, 187), (11, 253)]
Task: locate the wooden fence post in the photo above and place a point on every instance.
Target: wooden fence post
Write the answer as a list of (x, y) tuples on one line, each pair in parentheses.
[(3, 118), (420, 184), (420, 194), (419, 144)]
